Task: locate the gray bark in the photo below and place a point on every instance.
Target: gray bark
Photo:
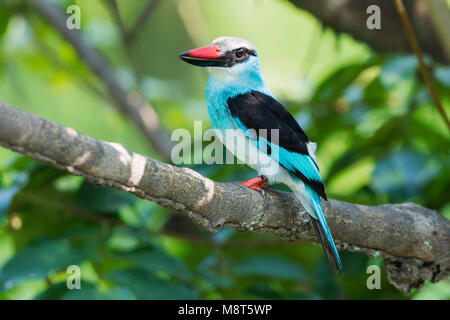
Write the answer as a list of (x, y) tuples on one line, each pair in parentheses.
[(349, 16), (414, 241)]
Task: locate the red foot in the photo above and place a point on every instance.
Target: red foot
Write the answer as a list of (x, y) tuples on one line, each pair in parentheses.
[(256, 183)]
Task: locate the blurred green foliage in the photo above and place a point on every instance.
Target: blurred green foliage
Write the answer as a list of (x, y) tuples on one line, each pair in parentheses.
[(381, 140)]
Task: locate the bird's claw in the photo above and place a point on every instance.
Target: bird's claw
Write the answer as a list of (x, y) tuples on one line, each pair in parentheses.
[(257, 184)]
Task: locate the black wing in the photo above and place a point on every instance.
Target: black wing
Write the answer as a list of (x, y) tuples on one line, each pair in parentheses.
[(257, 111)]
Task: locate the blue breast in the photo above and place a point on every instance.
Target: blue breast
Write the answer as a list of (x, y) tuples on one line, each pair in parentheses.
[(218, 92)]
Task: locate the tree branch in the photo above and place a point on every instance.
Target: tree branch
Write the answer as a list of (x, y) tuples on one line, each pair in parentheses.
[(440, 14), (149, 9), (131, 105), (349, 16), (117, 19), (423, 68), (414, 241)]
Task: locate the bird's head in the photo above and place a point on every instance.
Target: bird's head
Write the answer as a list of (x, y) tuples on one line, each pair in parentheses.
[(227, 58)]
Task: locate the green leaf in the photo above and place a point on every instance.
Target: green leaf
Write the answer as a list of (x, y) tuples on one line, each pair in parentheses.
[(156, 260), (215, 279), (207, 270), (325, 281), (396, 70), (42, 174), (264, 290), (6, 197), (404, 173), (38, 260), (442, 74), (269, 266), (434, 291), (7, 194), (375, 145), (68, 183), (5, 15), (87, 291), (57, 290), (375, 94), (335, 84), (97, 294), (102, 199), (146, 285), (223, 235), (144, 214), (20, 163), (355, 263)]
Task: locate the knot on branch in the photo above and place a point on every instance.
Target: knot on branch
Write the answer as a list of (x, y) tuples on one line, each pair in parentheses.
[(411, 273)]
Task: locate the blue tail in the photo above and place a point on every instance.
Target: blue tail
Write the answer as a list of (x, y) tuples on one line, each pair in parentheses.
[(323, 232)]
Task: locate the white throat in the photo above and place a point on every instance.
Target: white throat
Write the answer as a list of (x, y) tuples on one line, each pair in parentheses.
[(247, 72)]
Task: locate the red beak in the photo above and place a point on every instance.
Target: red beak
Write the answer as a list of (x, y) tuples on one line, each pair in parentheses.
[(209, 52), (209, 56)]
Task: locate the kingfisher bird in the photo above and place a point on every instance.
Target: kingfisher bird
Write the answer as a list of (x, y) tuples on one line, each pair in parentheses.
[(238, 99)]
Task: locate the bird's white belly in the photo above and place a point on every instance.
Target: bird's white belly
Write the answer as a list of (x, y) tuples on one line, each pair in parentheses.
[(246, 151)]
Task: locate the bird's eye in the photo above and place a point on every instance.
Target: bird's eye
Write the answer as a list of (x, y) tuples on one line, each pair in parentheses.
[(239, 53)]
